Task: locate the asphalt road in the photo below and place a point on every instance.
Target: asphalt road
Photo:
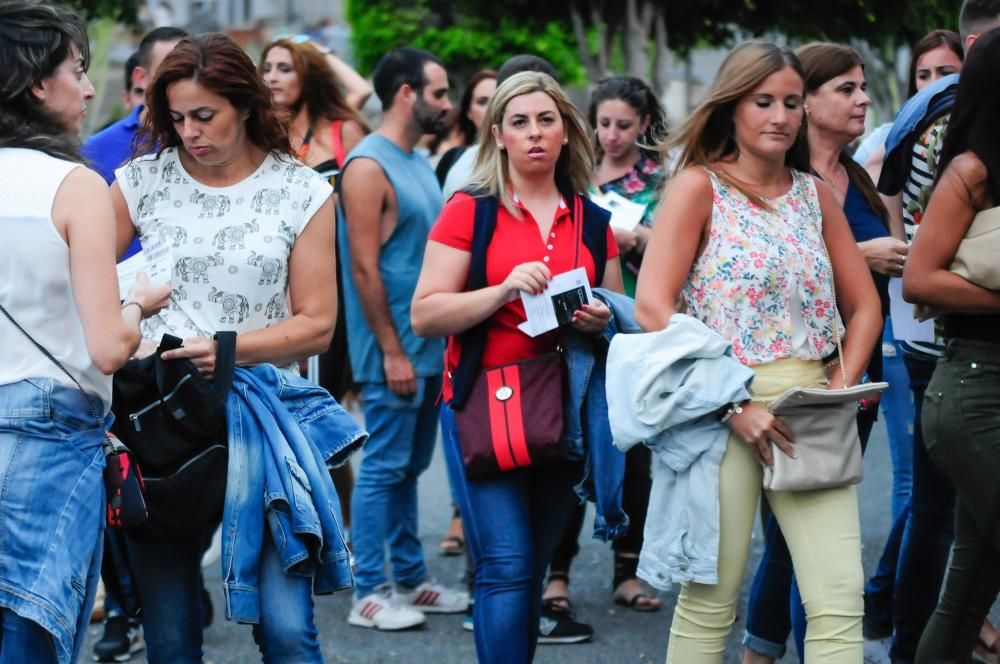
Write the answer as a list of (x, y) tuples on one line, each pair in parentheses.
[(621, 635)]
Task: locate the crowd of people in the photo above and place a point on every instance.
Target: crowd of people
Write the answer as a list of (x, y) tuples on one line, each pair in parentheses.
[(770, 246)]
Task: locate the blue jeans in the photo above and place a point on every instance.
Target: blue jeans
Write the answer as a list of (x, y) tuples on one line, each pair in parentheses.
[(23, 640), (774, 608), (905, 588), (402, 432), (513, 524), (168, 576), (898, 415), (51, 509)]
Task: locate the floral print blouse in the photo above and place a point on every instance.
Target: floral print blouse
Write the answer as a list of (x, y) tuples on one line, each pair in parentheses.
[(640, 185), (764, 280)]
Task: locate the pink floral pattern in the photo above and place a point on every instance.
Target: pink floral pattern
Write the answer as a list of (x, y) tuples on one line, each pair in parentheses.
[(755, 261)]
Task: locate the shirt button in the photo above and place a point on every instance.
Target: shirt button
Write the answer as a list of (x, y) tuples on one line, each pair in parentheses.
[(546, 259), (553, 235), (550, 247)]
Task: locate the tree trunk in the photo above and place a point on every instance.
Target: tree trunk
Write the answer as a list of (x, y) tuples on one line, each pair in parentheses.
[(661, 58), (635, 39), (604, 37), (592, 63), (884, 86)]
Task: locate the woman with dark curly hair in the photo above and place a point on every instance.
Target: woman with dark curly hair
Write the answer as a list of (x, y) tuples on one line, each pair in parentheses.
[(251, 234)]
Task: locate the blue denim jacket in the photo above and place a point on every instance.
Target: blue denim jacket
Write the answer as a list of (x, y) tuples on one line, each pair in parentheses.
[(590, 437), (663, 389), (284, 434)]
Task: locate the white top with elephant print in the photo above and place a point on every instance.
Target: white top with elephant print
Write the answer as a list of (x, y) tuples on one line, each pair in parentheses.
[(229, 245)]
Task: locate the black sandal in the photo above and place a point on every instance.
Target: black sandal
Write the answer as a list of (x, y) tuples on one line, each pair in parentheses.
[(559, 603)]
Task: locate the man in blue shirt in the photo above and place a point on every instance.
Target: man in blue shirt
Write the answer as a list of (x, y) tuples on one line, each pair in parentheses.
[(112, 146)]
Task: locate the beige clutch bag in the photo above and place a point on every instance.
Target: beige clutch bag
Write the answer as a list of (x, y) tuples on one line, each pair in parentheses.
[(827, 446)]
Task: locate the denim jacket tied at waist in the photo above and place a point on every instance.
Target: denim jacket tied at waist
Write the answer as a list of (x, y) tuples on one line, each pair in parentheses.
[(284, 434), (663, 389)]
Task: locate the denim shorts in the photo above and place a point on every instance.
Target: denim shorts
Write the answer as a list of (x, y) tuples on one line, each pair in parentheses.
[(51, 508)]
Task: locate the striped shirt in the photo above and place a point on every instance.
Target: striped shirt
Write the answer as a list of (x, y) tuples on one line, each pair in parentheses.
[(916, 193)]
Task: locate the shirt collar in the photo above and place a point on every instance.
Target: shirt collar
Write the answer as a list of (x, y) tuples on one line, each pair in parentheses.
[(561, 212), (132, 121)]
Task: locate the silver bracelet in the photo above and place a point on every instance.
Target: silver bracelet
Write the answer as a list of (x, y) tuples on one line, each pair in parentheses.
[(142, 314), (734, 409)]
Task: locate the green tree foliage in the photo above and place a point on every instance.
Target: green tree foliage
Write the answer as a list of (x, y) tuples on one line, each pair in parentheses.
[(465, 40), (590, 39), (124, 11)]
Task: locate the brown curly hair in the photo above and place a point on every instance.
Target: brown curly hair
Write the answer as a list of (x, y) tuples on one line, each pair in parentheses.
[(216, 62), (321, 90)]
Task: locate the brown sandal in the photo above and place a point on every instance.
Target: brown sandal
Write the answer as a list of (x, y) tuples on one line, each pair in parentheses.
[(642, 602)]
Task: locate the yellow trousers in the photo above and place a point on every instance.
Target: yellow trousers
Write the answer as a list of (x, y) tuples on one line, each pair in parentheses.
[(823, 532)]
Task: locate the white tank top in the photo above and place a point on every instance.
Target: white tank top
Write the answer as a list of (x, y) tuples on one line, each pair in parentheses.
[(35, 284)]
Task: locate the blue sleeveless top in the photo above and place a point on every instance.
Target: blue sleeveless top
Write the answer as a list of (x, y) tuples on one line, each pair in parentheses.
[(418, 198)]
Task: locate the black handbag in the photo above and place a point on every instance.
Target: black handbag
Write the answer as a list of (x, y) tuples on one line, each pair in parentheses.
[(123, 485), (174, 421)]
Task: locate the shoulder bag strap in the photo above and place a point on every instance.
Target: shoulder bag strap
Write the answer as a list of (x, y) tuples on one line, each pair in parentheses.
[(225, 362), (814, 200), (337, 142), (109, 446)]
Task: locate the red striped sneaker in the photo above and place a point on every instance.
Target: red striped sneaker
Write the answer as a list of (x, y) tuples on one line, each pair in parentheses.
[(432, 597), (380, 611)]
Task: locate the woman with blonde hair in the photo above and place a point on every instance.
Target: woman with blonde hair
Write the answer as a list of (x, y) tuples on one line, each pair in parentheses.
[(757, 248), (532, 167)]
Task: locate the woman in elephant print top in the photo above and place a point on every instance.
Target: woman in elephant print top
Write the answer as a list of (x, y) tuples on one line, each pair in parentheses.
[(230, 245), (251, 236)]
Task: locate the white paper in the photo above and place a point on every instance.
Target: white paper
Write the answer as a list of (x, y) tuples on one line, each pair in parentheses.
[(625, 214), (904, 326), (155, 260), (554, 307)]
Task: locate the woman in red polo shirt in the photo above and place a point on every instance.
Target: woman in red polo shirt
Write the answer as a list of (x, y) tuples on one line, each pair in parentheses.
[(534, 161)]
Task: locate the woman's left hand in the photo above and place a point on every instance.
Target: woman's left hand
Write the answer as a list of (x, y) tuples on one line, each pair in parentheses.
[(592, 318), (201, 352)]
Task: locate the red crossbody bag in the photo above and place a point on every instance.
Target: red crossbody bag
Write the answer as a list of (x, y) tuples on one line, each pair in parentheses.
[(514, 415)]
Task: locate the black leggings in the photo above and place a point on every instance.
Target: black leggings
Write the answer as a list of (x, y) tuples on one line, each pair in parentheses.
[(961, 424), (635, 500)]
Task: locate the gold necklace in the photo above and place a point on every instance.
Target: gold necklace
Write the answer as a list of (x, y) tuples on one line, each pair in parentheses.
[(832, 180)]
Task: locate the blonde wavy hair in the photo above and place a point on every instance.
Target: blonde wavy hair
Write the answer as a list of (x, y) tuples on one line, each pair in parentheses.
[(491, 172), (707, 136)]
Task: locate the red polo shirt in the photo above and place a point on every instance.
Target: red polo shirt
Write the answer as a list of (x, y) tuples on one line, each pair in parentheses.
[(515, 241)]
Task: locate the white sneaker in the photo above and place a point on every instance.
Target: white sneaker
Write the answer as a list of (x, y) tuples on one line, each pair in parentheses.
[(380, 611), (214, 550), (432, 597), (877, 650)]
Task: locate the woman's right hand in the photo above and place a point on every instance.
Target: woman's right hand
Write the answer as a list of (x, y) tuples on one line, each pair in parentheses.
[(885, 255), (626, 240), (528, 277), (756, 426), (151, 297)]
